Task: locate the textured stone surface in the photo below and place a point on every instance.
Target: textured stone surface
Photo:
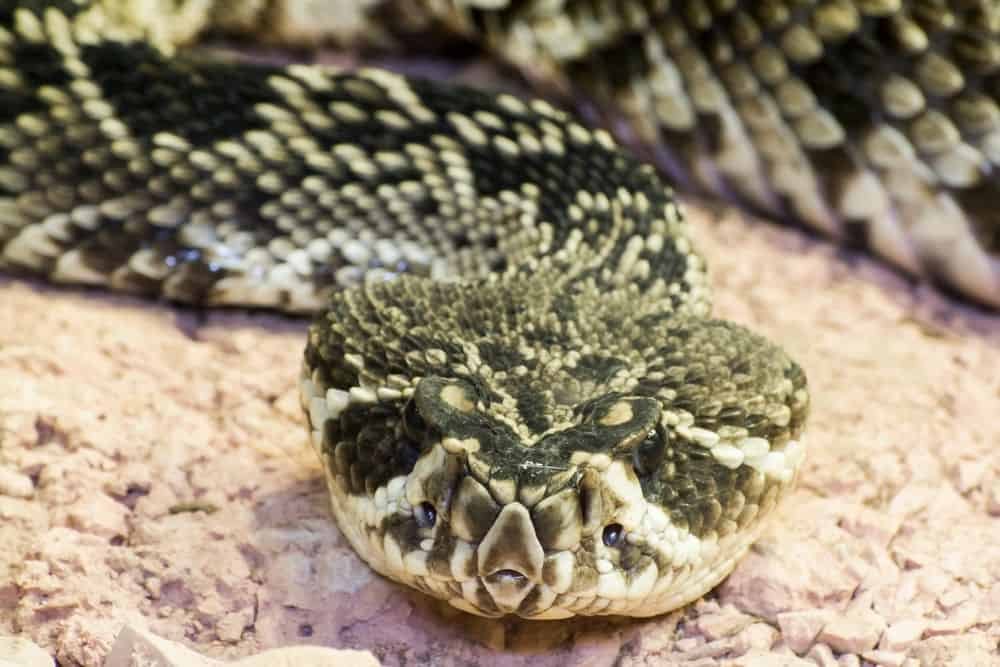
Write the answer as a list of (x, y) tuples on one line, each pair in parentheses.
[(172, 487), (135, 647), (800, 628), (21, 652)]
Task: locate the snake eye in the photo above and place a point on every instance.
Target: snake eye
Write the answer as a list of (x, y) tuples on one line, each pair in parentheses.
[(613, 534), (426, 515)]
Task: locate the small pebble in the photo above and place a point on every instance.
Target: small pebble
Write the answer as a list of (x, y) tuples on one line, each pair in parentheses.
[(14, 484)]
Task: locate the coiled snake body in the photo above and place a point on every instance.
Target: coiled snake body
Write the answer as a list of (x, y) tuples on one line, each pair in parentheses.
[(521, 402)]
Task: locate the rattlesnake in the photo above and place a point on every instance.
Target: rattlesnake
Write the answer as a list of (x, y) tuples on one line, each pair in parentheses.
[(514, 383)]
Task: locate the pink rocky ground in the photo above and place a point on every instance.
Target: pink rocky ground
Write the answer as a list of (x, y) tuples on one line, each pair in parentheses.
[(153, 471)]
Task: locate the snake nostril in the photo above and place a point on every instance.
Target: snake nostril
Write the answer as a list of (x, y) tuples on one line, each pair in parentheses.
[(512, 576)]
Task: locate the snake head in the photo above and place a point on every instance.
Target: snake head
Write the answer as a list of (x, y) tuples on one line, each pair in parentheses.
[(637, 497), (497, 526)]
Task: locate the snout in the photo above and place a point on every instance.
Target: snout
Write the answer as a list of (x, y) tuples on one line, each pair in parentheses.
[(511, 558)]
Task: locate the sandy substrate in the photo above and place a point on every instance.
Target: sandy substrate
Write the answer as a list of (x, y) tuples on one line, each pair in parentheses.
[(154, 471)]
